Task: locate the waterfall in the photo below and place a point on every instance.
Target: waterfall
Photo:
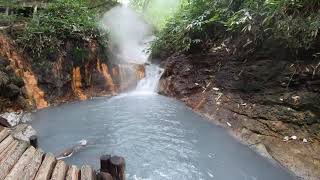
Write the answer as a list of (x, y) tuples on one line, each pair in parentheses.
[(130, 37), (149, 84)]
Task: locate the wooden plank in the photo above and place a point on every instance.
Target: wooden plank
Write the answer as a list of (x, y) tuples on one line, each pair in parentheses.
[(16, 171), (73, 173), (46, 167), (5, 143), (10, 148), (30, 171), (87, 173), (9, 162), (60, 171), (4, 133)]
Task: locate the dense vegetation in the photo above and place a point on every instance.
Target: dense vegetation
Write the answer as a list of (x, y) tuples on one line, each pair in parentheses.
[(49, 30), (291, 25), (156, 11)]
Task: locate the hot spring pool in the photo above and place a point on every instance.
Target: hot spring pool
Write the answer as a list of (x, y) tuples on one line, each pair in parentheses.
[(159, 137)]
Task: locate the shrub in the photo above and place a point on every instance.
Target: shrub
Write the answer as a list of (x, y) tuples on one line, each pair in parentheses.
[(292, 24)]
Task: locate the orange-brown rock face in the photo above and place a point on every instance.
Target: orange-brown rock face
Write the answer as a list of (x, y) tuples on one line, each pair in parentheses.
[(22, 68), (76, 83), (104, 70), (33, 90), (67, 77), (127, 75)]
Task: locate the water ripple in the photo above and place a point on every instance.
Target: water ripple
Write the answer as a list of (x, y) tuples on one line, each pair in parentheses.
[(159, 137)]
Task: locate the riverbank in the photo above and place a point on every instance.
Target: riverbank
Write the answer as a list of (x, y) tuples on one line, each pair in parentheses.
[(268, 104)]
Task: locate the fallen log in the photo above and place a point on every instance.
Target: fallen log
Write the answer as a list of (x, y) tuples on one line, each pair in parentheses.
[(46, 167)]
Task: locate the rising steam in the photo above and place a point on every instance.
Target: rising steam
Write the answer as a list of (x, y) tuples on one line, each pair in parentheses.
[(129, 34)]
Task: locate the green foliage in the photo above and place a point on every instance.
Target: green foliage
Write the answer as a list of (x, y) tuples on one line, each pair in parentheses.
[(7, 20), (292, 24), (63, 21), (156, 11)]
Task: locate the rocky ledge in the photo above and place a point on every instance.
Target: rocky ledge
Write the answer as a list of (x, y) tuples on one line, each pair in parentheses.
[(273, 106)]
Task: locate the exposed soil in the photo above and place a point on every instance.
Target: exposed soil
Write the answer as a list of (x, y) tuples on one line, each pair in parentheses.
[(260, 100), (63, 78)]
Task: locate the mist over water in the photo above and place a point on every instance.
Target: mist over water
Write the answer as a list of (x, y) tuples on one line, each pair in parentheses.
[(129, 34)]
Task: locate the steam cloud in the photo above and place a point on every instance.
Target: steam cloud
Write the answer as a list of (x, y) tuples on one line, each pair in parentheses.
[(129, 34)]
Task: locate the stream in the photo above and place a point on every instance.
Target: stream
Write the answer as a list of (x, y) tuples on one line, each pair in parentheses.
[(159, 137)]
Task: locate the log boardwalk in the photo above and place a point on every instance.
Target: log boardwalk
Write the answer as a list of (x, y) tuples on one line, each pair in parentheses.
[(19, 160)]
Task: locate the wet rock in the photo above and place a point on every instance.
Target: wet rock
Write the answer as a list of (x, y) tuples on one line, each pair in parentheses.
[(13, 118), (4, 122), (23, 132), (262, 150), (262, 98)]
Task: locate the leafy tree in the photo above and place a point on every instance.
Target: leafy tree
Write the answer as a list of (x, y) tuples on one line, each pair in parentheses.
[(292, 24)]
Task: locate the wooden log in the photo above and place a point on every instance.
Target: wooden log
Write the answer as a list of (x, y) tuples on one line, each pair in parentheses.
[(5, 143), (46, 167), (4, 133), (105, 176), (34, 141), (60, 171), (105, 164), (8, 150), (73, 173), (8, 163), (118, 168), (87, 173), (15, 172), (30, 171)]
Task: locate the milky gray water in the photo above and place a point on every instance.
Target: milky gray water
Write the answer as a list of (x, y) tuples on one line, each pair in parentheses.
[(159, 137)]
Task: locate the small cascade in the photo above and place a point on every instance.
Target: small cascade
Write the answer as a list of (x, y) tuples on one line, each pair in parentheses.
[(149, 84)]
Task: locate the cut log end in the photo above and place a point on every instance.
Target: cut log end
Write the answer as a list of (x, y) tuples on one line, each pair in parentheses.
[(118, 167), (105, 164)]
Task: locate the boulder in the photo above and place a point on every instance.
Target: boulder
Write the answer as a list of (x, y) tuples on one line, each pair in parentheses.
[(13, 118), (4, 122)]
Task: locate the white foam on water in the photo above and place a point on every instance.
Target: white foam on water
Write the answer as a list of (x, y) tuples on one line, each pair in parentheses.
[(149, 84)]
